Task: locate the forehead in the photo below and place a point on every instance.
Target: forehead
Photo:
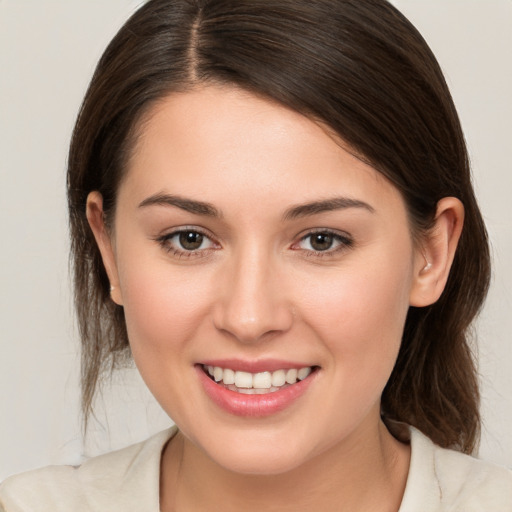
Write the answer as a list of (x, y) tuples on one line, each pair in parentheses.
[(222, 143)]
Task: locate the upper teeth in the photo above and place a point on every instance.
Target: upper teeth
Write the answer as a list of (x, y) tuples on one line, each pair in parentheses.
[(262, 380)]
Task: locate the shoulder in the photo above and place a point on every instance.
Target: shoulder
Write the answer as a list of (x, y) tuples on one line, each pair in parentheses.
[(119, 480), (473, 484), (441, 479)]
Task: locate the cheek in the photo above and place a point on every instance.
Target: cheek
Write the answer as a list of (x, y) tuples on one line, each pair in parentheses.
[(360, 315), (163, 304)]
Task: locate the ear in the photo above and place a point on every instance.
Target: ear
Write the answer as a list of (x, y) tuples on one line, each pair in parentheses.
[(96, 219), (434, 257)]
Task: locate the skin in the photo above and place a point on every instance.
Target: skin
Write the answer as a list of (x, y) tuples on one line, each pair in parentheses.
[(257, 289)]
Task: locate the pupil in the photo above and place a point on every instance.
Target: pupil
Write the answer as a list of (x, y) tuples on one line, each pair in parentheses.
[(321, 241), (190, 240)]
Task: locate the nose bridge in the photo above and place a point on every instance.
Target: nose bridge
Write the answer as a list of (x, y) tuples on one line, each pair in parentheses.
[(253, 303)]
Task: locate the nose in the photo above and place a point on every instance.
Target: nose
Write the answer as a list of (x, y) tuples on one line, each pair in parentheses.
[(252, 305)]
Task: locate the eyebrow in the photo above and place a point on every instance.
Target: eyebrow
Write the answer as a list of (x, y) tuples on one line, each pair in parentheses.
[(327, 205), (295, 212), (189, 205)]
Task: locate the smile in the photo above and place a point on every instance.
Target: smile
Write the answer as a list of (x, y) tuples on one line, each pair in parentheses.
[(255, 389), (257, 383)]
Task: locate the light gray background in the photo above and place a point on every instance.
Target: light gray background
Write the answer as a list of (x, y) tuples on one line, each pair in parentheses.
[(48, 49)]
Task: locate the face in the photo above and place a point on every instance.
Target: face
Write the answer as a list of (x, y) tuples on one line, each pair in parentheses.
[(248, 244)]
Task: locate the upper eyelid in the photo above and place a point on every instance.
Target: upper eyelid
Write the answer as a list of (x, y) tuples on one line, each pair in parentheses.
[(330, 231), (183, 229)]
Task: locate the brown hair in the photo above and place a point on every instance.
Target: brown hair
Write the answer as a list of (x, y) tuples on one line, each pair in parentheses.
[(361, 68)]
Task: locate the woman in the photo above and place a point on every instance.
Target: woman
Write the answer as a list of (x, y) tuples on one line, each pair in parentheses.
[(272, 212)]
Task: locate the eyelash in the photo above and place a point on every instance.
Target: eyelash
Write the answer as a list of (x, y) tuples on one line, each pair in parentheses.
[(165, 243), (344, 242)]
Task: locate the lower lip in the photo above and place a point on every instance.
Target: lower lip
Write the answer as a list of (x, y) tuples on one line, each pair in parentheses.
[(254, 406)]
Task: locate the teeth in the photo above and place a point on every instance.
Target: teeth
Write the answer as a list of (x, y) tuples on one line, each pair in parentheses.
[(229, 376), (257, 383), (218, 374), (279, 378), (262, 380), (291, 376), (303, 373), (243, 380), (252, 391)]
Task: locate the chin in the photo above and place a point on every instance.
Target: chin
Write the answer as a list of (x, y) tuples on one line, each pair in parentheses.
[(258, 451), (260, 462)]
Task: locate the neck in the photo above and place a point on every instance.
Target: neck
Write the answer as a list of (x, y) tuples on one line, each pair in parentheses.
[(367, 472)]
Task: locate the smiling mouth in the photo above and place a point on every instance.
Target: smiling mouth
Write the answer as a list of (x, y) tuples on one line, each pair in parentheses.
[(257, 383)]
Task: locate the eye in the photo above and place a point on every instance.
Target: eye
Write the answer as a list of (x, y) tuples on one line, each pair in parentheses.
[(190, 240), (323, 242), (186, 242), (320, 241)]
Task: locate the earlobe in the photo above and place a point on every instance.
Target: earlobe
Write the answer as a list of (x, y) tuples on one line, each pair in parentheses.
[(435, 256), (96, 219)]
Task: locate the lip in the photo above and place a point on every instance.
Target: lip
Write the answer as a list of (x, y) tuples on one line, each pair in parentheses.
[(253, 406)]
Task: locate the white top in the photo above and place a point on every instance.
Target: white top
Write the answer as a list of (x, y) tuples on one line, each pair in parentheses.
[(127, 480)]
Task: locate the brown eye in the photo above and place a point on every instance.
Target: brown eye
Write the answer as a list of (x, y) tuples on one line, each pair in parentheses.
[(321, 241), (324, 243), (190, 240), (187, 242)]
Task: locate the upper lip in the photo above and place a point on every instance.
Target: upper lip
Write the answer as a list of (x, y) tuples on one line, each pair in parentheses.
[(256, 366)]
